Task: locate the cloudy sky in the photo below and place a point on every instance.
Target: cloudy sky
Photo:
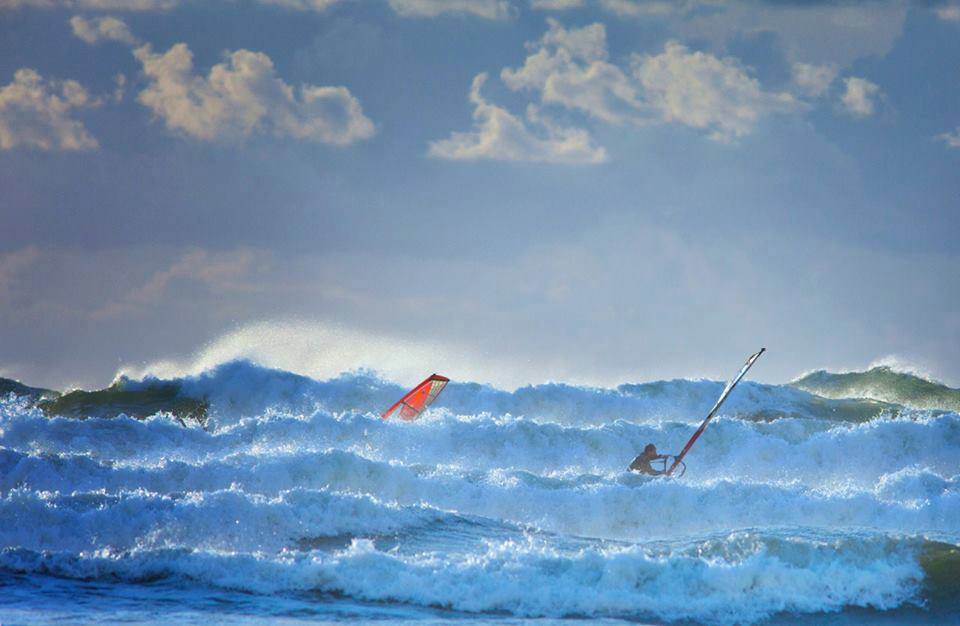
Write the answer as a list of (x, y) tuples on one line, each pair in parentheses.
[(512, 191)]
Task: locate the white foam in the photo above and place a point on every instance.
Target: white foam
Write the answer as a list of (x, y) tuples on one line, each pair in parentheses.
[(754, 578), (493, 501)]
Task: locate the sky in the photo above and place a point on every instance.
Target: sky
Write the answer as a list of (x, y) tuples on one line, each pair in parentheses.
[(504, 191)]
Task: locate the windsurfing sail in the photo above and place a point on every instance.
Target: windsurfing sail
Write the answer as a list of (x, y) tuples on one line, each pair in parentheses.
[(677, 460), (410, 406)]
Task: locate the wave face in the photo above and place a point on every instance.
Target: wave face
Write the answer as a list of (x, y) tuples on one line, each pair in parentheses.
[(494, 504), (882, 383)]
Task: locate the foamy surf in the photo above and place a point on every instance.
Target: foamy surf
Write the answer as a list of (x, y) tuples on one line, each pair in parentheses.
[(495, 504)]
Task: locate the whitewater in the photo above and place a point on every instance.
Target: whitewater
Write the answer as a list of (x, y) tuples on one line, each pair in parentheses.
[(296, 503)]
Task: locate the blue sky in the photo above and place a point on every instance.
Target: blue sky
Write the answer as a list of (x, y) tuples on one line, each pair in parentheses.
[(502, 190)]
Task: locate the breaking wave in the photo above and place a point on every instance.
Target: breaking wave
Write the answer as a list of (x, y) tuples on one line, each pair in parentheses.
[(498, 502), (882, 383)]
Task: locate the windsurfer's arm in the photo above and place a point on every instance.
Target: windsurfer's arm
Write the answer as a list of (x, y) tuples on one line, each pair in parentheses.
[(642, 464)]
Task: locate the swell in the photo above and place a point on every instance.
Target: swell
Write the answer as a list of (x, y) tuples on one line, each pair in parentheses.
[(239, 389), (615, 506), (882, 383), (505, 502), (227, 520), (739, 577), (815, 453), (941, 566), (227, 388)]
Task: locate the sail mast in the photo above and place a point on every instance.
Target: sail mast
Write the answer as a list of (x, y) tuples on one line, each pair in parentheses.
[(723, 396)]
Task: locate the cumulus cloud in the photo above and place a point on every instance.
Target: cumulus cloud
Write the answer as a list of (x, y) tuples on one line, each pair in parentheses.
[(639, 8), (100, 29), (952, 139), (243, 95), (303, 5), (813, 80), (120, 87), (570, 68), (556, 5), (499, 135), (489, 9), (949, 12), (36, 113), (95, 5), (620, 8), (860, 96), (706, 92)]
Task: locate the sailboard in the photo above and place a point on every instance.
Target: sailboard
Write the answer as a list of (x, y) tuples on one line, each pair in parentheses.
[(410, 406), (677, 460)]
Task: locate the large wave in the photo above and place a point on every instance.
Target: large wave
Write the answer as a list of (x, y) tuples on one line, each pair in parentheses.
[(885, 383), (240, 389), (496, 501)]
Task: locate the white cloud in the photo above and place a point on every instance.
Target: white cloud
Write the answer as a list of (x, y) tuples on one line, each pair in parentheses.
[(95, 5), (812, 32), (706, 92), (570, 68), (639, 8), (100, 29), (124, 5), (555, 5), (120, 87), (860, 96), (303, 5), (813, 80), (37, 113), (949, 12), (621, 8), (489, 9), (499, 135), (952, 139), (244, 95)]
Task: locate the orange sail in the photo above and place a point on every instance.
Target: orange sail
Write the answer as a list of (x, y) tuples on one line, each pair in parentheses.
[(410, 406)]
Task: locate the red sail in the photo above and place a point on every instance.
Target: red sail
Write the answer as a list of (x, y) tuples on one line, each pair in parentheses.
[(410, 406)]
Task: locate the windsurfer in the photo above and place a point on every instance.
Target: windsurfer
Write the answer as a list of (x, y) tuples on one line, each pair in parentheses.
[(642, 463)]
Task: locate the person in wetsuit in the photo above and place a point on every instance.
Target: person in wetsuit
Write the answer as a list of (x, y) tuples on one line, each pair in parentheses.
[(642, 463)]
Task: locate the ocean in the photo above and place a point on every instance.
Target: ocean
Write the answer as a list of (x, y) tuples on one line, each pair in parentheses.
[(833, 498)]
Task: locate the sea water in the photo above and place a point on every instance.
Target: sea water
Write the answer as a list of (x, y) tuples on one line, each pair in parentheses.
[(295, 503)]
